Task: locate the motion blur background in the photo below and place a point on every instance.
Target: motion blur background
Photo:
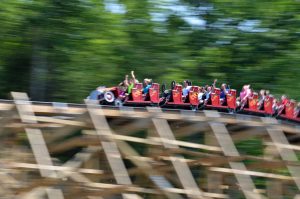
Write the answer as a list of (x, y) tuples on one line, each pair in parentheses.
[(62, 49)]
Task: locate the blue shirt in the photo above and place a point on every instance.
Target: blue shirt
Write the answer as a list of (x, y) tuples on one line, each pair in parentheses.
[(146, 89), (207, 95), (186, 90)]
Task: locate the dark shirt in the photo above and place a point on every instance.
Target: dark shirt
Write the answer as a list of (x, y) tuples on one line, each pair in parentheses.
[(223, 94)]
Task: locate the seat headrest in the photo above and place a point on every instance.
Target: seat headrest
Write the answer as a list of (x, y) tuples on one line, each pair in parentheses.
[(155, 85), (138, 85)]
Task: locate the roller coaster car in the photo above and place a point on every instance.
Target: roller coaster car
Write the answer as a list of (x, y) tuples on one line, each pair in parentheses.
[(193, 96), (288, 112), (253, 105), (137, 97), (231, 99), (105, 96), (177, 100), (216, 103)]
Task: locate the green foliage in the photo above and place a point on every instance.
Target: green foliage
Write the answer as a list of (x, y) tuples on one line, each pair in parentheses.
[(60, 50), (253, 147)]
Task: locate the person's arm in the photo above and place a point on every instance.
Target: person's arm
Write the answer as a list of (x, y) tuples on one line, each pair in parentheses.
[(214, 84), (133, 77), (246, 96), (126, 83), (247, 93)]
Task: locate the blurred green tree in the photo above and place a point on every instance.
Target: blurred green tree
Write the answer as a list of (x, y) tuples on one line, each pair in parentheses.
[(60, 50)]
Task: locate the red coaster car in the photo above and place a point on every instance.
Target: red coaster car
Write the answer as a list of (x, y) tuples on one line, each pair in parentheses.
[(175, 98), (105, 96), (288, 112), (253, 105), (215, 102), (138, 98)]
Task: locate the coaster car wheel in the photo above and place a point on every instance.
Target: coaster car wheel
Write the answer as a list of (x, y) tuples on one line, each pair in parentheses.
[(194, 107), (118, 103), (162, 102), (109, 96), (201, 106)]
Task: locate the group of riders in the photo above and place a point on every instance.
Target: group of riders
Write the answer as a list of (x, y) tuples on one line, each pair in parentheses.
[(204, 93)]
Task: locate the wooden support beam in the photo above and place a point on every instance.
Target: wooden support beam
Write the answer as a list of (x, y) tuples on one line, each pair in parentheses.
[(229, 149), (111, 150), (286, 153), (36, 139), (171, 164), (181, 168)]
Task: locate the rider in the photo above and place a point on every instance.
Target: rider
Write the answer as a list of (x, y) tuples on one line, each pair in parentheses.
[(131, 82), (297, 110), (283, 102), (123, 86), (148, 83), (201, 95), (187, 86), (262, 98), (224, 92)]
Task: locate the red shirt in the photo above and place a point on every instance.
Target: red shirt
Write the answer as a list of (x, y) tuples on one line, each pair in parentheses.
[(285, 101)]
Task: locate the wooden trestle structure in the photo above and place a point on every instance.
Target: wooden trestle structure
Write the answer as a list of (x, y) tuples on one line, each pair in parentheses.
[(56, 151)]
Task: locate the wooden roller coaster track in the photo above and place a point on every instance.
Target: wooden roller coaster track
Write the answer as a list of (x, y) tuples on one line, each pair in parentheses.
[(58, 150)]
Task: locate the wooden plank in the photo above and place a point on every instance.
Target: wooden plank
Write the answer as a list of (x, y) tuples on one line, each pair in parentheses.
[(286, 153), (54, 120), (81, 109), (49, 108), (36, 139), (155, 165), (111, 151), (274, 189), (229, 149), (283, 146), (21, 165), (182, 169), (242, 171), (191, 129)]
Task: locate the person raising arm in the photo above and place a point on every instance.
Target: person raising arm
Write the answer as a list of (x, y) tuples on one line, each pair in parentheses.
[(131, 83)]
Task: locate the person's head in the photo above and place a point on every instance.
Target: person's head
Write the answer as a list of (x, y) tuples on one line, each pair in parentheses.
[(262, 92), (283, 97), (122, 84), (201, 89), (209, 89), (246, 87), (223, 86), (187, 83), (147, 81)]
